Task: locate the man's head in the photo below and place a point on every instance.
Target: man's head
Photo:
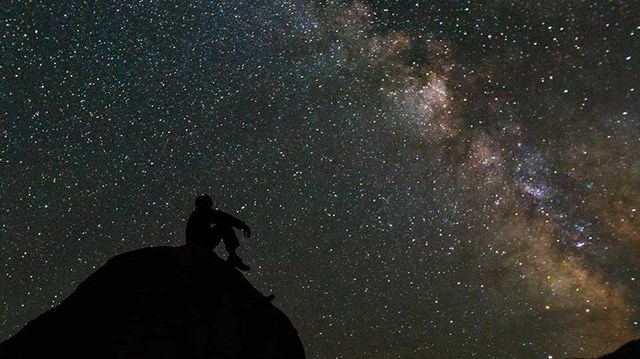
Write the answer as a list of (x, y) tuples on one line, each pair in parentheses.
[(204, 202)]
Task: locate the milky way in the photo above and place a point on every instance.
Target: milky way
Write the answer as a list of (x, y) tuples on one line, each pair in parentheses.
[(423, 179)]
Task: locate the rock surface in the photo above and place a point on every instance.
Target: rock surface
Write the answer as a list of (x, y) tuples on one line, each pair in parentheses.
[(160, 302), (631, 350)]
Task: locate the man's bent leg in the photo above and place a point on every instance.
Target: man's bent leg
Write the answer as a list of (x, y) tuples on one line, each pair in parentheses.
[(229, 238), (213, 238), (231, 243)]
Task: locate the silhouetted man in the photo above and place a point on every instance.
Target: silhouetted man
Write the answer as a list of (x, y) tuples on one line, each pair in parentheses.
[(201, 233)]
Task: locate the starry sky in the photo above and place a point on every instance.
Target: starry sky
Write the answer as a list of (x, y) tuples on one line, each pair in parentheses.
[(446, 179)]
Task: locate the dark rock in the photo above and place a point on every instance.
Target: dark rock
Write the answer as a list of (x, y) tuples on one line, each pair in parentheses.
[(160, 302), (631, 350)]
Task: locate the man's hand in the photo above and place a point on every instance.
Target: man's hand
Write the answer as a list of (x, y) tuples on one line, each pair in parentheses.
[(246, 231)]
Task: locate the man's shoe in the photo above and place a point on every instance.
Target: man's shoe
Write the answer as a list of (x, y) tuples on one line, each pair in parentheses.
[(237, 262)]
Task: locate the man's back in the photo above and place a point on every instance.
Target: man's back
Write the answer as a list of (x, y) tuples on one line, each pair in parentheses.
[(198, 226)]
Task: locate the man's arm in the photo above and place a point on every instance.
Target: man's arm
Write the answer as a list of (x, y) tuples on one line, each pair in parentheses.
[(227, 219)]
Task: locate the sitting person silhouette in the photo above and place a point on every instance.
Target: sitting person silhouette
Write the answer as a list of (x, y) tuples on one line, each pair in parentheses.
[(201, 233)]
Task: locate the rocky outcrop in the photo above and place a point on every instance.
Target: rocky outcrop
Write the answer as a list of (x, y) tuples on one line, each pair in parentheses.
[(631, 350), (161, 302)]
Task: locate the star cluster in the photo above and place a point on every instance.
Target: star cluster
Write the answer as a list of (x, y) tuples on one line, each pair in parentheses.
[(444, 179)]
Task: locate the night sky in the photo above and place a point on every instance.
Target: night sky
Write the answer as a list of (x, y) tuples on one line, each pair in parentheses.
[(446, 179)]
